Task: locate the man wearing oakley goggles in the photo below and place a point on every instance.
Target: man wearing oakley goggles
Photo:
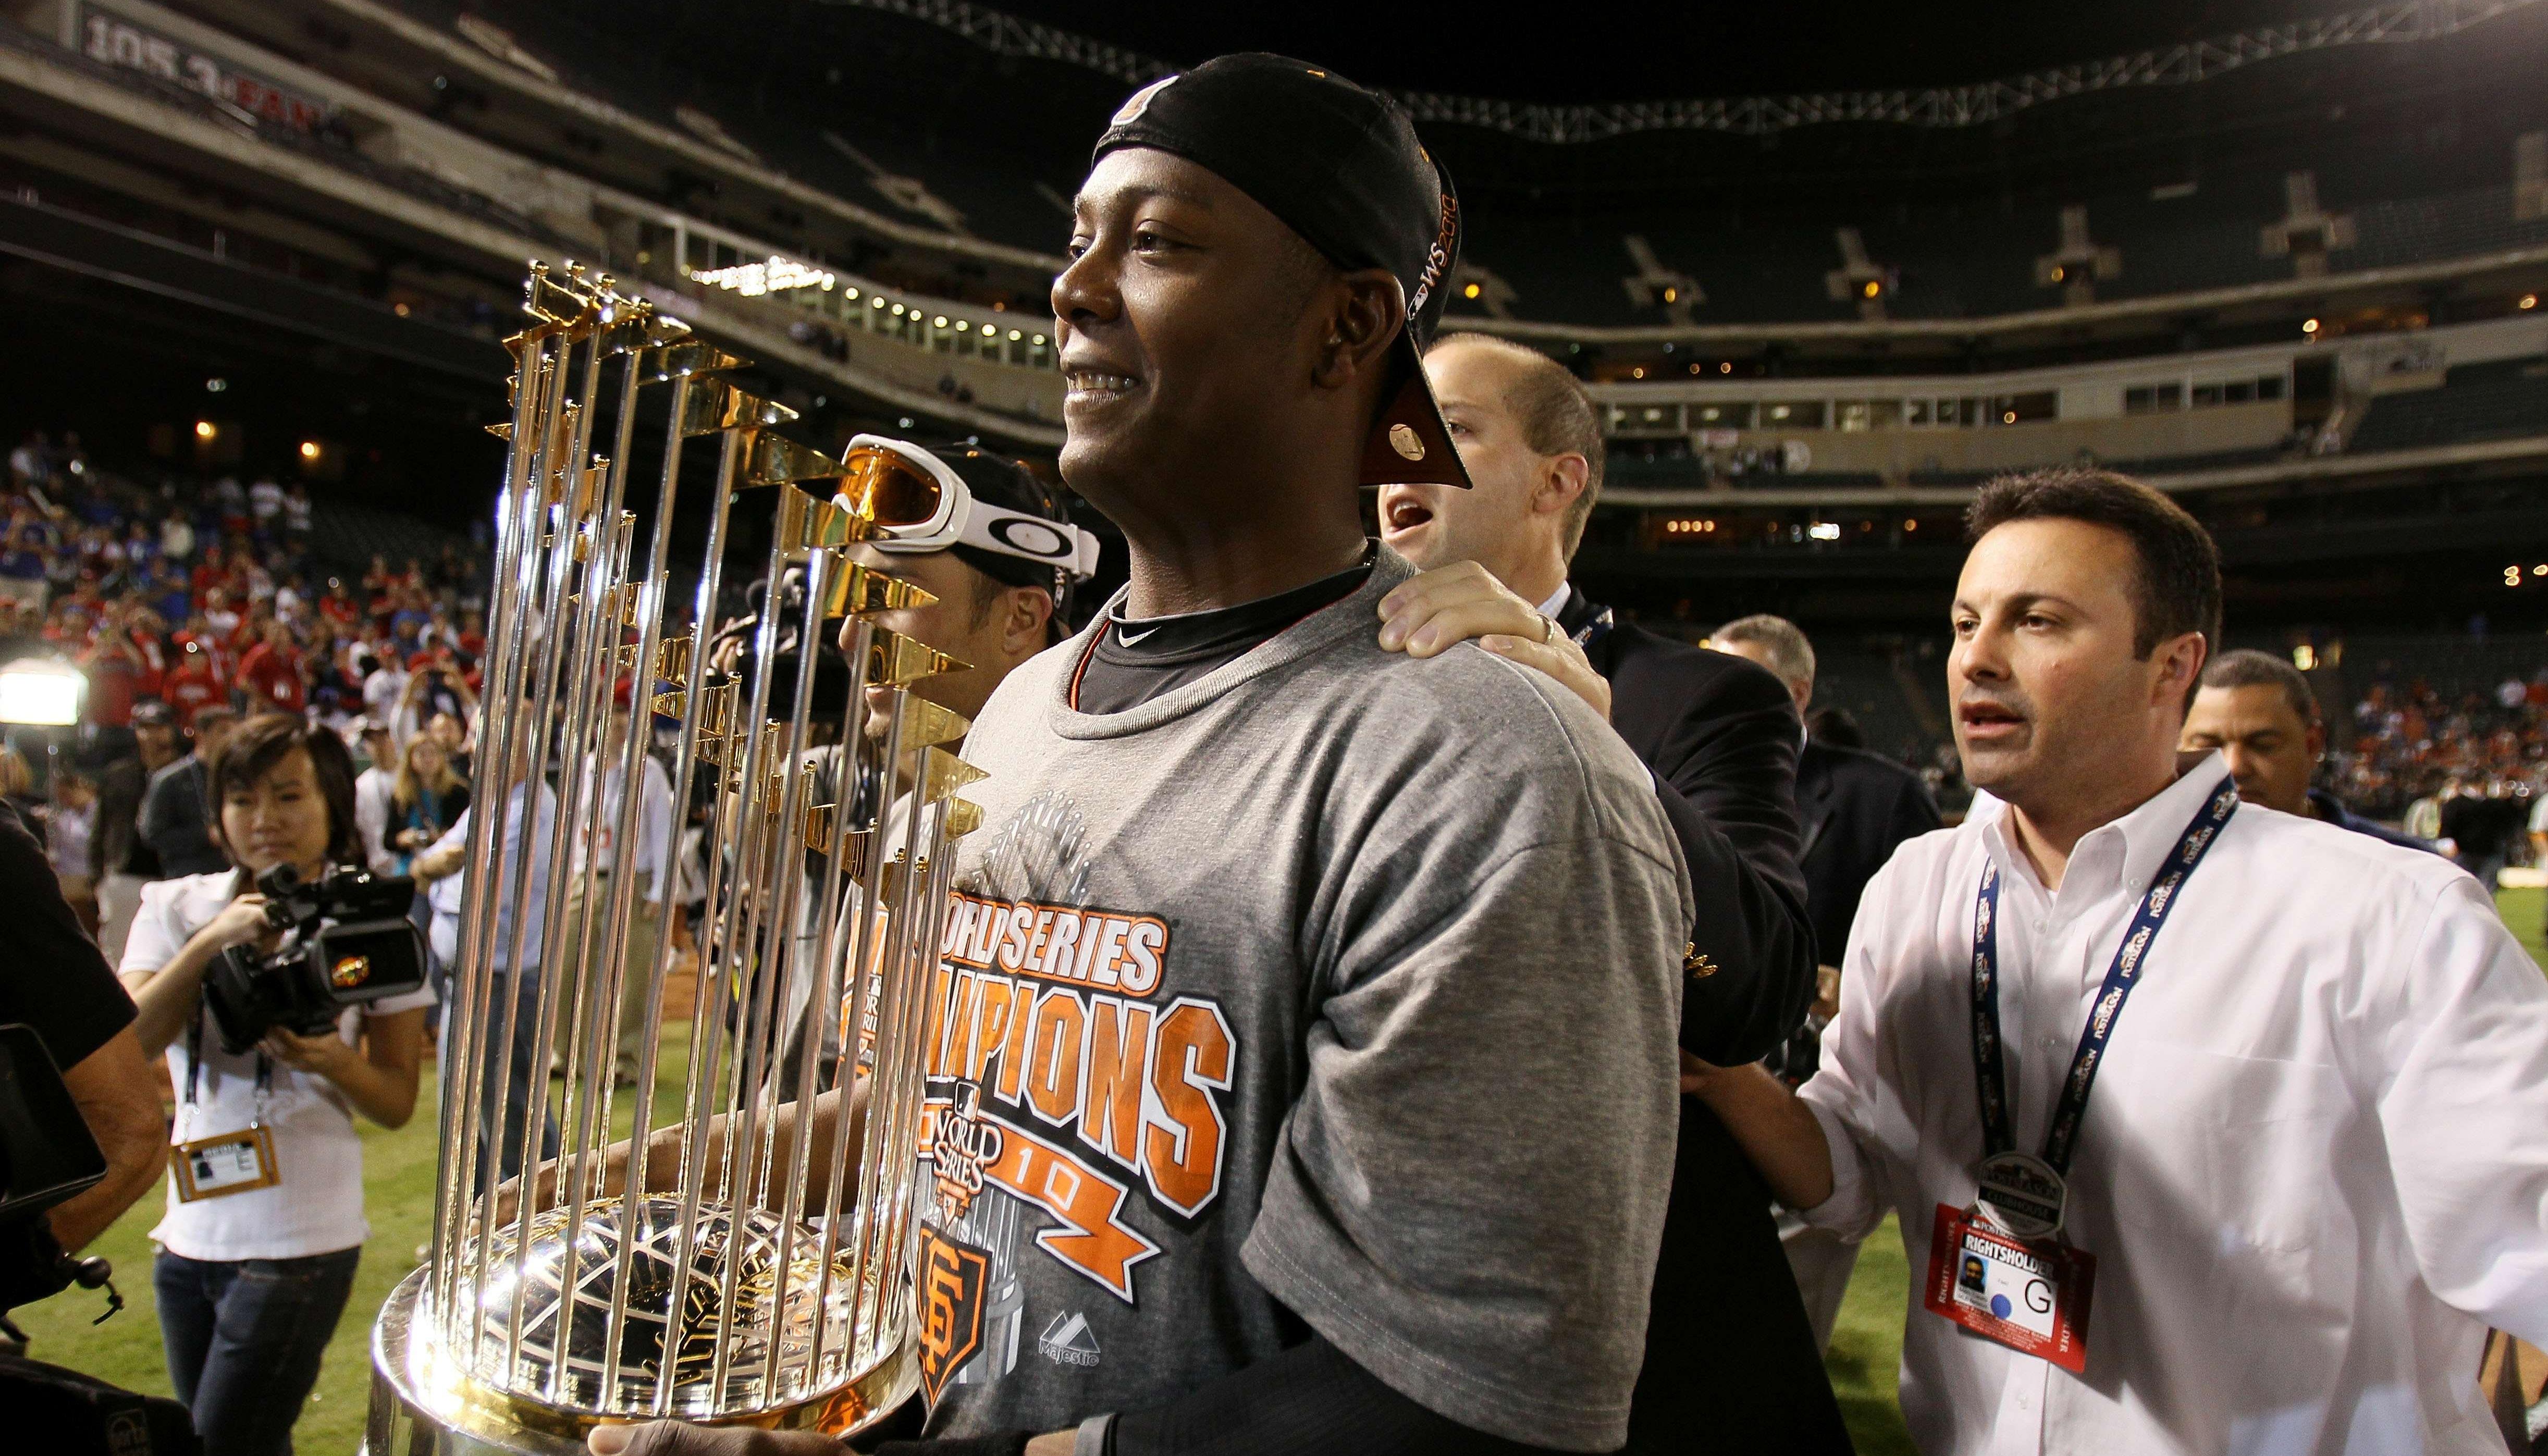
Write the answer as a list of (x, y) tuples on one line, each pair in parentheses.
[(996, 549), (1308, 1076)]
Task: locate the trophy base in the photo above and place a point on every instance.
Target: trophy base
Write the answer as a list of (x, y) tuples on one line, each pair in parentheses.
[(407, 1420)]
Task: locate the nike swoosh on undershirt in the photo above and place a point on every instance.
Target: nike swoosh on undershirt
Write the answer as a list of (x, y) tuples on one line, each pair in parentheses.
[(1132, 639)]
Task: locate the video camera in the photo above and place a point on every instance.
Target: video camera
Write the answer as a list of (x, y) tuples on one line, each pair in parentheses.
[(348, 942)]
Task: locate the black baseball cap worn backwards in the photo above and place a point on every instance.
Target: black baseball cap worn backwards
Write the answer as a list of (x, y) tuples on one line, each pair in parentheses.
[(1339, 165)]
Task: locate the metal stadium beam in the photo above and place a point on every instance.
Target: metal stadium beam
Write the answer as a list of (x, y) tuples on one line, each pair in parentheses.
[(1979, 104)]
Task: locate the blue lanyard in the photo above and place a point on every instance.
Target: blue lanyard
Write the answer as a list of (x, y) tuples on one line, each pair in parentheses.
[(1990, 1077)]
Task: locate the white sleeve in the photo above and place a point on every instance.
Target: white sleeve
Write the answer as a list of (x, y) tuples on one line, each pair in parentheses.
[(156, 936), (655, 830), (1848, 1091), (372, 821), (2455, 1051)]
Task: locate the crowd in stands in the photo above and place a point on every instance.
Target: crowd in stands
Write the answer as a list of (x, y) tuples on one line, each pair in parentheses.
[(205, 595), (200, 594), (2464, 767)]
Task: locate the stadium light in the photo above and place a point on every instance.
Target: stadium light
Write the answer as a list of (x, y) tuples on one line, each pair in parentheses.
[(1824, 530), (2530, 301), (1725, 368), (204, 429), (308, 449), (42, 691), (2309, 325), (215, 385)]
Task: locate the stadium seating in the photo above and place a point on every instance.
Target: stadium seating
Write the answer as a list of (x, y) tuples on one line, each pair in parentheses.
[(2476, 402)]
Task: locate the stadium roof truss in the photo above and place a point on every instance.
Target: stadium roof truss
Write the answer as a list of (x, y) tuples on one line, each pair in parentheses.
[(1979, 104)]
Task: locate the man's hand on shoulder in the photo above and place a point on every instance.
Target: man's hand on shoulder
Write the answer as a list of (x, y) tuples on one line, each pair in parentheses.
[(1437, 610)]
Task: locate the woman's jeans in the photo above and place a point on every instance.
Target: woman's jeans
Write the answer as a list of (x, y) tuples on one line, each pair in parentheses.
[(243, 1342)]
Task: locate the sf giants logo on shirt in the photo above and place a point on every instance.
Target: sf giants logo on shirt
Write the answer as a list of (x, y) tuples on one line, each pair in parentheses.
[(952, 1278), (1056, 1047)]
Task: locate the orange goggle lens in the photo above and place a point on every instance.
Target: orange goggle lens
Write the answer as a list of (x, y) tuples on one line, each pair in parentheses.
[(888, 489)]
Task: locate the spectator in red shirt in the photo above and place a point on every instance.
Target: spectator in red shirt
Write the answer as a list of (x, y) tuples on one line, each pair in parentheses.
[(114, 676), (200, 634), (148, 632), (211, 571), (338, 605), (193, 685), (271, 671)]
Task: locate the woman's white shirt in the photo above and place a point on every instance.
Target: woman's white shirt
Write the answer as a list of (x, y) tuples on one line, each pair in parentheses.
[(317, 1206)]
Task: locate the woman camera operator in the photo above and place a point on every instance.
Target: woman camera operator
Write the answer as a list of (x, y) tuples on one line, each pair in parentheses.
[(265, 1198)]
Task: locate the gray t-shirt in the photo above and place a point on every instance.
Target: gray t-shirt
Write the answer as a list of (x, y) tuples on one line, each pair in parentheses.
[(1333, 981)]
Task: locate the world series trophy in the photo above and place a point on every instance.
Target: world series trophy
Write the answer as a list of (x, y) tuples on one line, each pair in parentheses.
[(741, 1293)]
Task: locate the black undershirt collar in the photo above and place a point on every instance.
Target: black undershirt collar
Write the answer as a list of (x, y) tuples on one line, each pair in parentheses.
[(1132, 660)]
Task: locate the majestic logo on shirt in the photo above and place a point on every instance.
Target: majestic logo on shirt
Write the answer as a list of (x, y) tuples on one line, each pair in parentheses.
[(1067, 1340), (1059, 1079), (951, 1276)]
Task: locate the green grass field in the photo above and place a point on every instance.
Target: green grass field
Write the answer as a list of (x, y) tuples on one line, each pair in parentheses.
[(397, 1178)]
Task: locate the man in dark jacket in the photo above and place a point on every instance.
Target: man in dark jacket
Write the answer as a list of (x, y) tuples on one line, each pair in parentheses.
[(2258, 711), (1730, 1358), (121, 860), (176, 814), (1854, 807)]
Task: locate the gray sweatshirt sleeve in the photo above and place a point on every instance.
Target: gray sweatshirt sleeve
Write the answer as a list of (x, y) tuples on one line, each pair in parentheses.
[(1469, 1193)]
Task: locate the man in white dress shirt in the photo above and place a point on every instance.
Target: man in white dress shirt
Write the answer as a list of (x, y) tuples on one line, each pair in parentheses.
[(2312, 1163)]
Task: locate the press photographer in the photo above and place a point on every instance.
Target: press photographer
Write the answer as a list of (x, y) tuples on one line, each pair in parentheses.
[(258, 999)]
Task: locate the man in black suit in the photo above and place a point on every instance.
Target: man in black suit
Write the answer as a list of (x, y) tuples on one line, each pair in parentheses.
[(1856, 807), (1731, 1363)]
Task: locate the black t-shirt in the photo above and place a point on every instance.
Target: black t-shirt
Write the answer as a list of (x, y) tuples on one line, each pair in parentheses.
[(52, 979), (1134, 662)]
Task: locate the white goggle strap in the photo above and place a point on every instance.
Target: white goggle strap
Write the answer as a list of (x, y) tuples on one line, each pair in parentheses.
[(1017, 533)]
